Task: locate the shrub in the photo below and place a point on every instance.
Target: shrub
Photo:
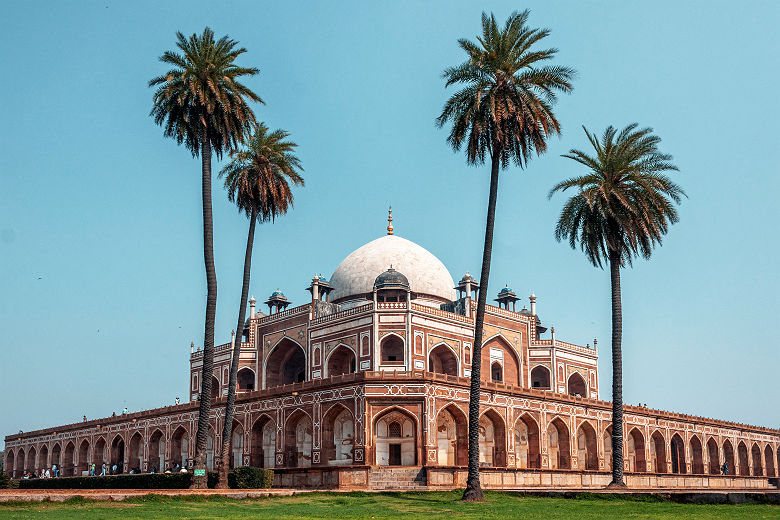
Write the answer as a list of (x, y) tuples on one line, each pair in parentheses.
[(143, 481), (248, 477), (5, 481)]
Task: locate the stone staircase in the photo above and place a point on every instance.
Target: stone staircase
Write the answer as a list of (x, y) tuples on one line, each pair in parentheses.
[(391, 478)]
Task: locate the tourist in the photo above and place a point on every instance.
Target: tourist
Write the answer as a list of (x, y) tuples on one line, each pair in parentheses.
[(113, 414), (725, 468), (103, 470), (125, 412), (84, 418), (48, 473), (92, 470), (113, 469), (177, 401)]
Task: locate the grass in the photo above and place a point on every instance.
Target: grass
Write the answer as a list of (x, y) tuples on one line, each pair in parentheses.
[(407, 506)]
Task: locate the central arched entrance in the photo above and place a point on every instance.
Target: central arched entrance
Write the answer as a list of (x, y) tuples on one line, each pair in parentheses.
[(286, 364), (395, 439)]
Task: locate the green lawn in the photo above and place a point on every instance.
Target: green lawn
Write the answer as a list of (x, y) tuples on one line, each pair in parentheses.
[(379, 506)]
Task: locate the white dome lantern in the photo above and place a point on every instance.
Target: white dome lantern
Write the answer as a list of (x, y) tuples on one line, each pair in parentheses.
[(354, 278)]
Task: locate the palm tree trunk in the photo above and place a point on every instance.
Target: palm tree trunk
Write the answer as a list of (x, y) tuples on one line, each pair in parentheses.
[(617, 372), (473, 489), (227, 429), (211, 309)]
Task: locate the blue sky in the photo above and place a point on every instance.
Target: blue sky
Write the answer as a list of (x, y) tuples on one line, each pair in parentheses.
[(101, 271)]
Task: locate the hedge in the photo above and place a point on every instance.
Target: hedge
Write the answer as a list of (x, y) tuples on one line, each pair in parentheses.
[(244, 477)]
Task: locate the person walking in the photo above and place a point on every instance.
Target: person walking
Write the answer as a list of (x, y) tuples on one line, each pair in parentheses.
[(103, 470), (725, 468), (92, 470), (54, 470)]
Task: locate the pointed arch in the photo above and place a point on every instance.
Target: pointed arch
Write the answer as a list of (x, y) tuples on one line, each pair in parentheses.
[(236, 450), (9, 466), (395, 438), (758, 466), (714, 456), (20, 462), (99, 452), (497, 349), (492, 439), (56, 456), (338, 435), (245, 379), (728, 457), (341, 360), (742, 455), (636, 451), (263, 442), (451, 436), (540, 377), (31, 457), (558, 444), (215, 392), (769, 459), (677, 449), (43, 457), (606, 439), (298, 435), (156, 462), (697, 456), (442, 359), (285, 364), (68, 459), (136, 453), (211, 449), (392, 348), (658, 452), (527, 445), (83, 465), (180, 446), (576, 385), (587, 454)]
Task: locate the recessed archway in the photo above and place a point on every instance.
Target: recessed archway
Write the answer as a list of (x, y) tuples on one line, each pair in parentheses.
[(392, 350), (99, 455), (236, 446), (442, 360), (658, 452), (742, 454), (677, 449), (492, 439), (713, 456), (20, 460), (758, 469), (606, 439), (298, 440), (43, 457), (728, 457), (180, 445), (215, 393), (56, 457), (32, 460), (697, 456), (245, 380), (540, 377), (338, 436), (83, 458), (451, 437), (497, 350), (263, 442), (341, 361), (211, 450), (10, 463), (496, 373), (286, 364), (558, 444), (527, 447), (395, 439), (636, 451), (577, 386), (135, 462), (587, 455), (156, 452), (67, 459), (770, 461)]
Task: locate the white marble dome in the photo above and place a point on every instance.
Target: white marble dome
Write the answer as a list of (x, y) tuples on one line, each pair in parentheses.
[(355, 275)]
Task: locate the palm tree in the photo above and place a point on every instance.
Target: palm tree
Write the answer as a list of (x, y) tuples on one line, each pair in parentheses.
[(504, 111), (623, 209), (200, 102), (258, 180)]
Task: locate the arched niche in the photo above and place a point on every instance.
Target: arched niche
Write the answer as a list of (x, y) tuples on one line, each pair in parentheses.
[(728, 457), (391, 350), (587, 453), (713, 456), (135, 461), (156, 452), (658, 452), (341, 361), (697, 456), (245, 380), (677, 449), (298, 440), (395, 439), (83, 458), (236, 446), (758, 469), (742, 454), (527, 447), (540, 377), (443, 360), (576, 385), (67, 459), (492, 439), (338, 436), (180, 442), (497, 349), (558, 445), (451, 437), (31, 457), (769, 459), (286, 364), (263, 441), (636, 451)]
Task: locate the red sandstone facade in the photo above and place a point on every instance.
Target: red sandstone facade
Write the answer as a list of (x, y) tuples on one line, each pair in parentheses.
[(370, 390)]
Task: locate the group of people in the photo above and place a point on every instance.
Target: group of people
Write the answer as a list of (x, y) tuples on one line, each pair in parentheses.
[(55, 472)]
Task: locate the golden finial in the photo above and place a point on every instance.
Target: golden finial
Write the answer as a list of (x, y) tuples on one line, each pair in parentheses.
[(390, 220)]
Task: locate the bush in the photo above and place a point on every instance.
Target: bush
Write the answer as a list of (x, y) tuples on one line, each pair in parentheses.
[(143, 481), (5, 481), (248, 477)]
